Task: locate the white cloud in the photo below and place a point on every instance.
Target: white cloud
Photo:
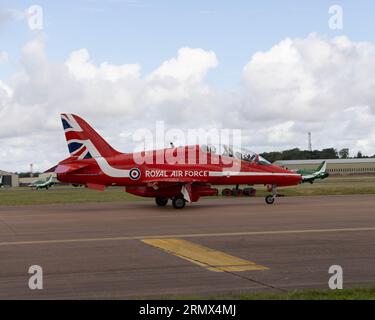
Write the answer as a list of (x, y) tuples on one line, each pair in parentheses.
[(5, 92), (313, 84), (191, 65), (81, 67), (310, 78)]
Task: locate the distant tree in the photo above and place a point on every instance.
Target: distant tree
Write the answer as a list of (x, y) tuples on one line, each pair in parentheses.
[(292, 154), (329, 153), (297, 154), (271, 156), (344, 153), (359, 154)]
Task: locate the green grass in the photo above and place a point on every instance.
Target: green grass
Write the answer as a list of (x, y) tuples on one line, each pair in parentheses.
[(27, 196), (345, 294)]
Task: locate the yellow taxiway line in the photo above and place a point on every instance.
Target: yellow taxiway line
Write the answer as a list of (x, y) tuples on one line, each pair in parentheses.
[(191, 235), (211, 259)]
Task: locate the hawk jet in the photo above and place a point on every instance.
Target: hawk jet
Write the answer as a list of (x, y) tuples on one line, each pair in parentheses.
[(96, 164)]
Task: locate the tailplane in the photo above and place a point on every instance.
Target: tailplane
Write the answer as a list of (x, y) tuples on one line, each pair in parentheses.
[(83, 141)]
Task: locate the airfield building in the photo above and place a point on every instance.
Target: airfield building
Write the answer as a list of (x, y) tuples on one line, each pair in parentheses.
[(8, 179), (357, 166)]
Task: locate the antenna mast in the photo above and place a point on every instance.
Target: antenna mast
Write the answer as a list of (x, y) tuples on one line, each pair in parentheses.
[(31, 170)]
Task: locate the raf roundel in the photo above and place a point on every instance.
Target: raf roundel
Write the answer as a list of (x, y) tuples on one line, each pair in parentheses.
[(134, 173)]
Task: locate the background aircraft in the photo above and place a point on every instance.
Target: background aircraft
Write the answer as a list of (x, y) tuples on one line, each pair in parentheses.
[(312, 175), (95, 164), (42, 184)]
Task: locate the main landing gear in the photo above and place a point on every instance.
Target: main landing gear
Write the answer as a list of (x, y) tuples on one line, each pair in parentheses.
[(177, 202), (161, 201)]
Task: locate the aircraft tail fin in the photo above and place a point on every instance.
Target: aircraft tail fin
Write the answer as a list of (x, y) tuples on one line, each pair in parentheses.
[(322, 167), (83, 141)]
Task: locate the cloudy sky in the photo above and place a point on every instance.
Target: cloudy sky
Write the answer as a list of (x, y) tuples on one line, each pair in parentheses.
[(274, 69)]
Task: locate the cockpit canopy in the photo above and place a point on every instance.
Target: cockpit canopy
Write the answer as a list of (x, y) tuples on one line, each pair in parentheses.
[(238, 153)]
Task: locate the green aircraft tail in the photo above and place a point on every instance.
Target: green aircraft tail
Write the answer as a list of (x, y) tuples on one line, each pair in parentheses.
[(319, 173), (323, 164)]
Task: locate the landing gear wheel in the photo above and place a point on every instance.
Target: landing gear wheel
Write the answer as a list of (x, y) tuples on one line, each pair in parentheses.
[(161, 202), (178, 203), (270, 199)]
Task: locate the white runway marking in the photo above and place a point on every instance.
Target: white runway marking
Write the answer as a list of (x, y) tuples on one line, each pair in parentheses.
[(192, 235)]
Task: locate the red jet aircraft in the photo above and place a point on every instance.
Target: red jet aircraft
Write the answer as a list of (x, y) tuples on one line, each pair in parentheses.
[(95, 164)]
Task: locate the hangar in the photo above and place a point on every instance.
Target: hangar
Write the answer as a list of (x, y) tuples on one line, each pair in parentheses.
[(8, 179), (355, 166)]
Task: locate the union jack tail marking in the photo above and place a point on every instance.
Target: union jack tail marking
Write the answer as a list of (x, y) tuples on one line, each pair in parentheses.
[(83, 141)]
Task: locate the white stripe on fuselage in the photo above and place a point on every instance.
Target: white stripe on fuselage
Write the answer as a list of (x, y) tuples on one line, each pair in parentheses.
[(247, 174), (102, 162)]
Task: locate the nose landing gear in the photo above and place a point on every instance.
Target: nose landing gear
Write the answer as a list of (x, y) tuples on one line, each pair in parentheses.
[(270, 199)]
